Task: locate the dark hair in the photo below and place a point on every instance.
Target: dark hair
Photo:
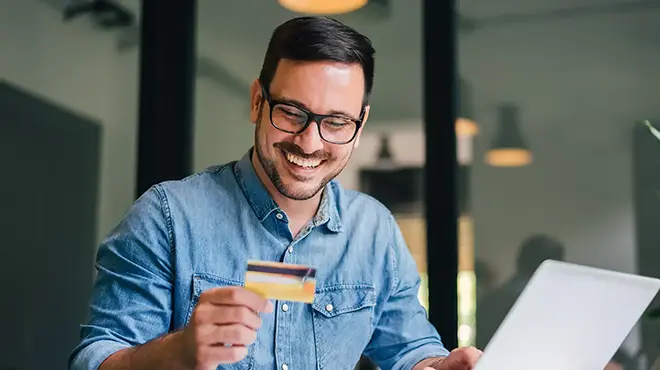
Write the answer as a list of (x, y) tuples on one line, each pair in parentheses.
[(536, 249), (311, 39)]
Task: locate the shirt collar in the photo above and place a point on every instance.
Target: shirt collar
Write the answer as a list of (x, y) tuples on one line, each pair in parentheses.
[(263, 204), (328, 212)]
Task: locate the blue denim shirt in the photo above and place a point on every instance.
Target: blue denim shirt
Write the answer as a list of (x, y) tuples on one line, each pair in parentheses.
[(183, 237)]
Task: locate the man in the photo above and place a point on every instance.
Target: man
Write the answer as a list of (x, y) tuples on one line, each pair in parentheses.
[(168, 293)]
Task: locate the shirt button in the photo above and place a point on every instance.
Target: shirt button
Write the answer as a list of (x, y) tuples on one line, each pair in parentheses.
[(329, 307), (285, 307), (290, 249), (279, 216), (285, 367)]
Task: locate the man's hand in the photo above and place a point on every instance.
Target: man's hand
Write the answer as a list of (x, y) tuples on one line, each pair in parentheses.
[(224, 322), (464, 358)]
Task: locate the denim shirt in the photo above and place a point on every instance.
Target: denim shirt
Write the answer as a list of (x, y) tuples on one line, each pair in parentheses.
[(183, 237)]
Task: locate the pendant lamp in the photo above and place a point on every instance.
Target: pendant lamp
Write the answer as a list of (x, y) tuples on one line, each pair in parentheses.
[(509, 147), (400, 188), (465, 123), (324, 7)]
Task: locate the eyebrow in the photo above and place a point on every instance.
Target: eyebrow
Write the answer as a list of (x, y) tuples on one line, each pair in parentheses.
[(300, 104)]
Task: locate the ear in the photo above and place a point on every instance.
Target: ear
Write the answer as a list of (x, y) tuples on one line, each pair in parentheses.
[(365, 117), (256, 100)]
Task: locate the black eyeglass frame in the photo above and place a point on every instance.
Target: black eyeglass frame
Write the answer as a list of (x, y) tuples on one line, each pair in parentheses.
[(311, 117)]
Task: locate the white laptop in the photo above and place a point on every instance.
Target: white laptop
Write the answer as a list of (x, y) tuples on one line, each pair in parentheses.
[(569, 317)]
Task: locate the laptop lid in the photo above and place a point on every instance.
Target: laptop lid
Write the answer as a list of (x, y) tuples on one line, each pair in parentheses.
[(568, 317)]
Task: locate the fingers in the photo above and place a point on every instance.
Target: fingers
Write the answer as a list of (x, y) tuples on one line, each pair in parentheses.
[(229, 315), (236, 296), (224, 322), (462, 358), (219, 335), (470, 355), (220, 354)]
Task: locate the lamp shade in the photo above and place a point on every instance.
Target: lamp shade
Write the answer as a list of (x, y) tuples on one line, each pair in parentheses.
[(399, 188), (509, 147), (465, 123), (326, 7)]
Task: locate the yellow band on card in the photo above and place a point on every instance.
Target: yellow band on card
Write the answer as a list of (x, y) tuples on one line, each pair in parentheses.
[(281, 281)]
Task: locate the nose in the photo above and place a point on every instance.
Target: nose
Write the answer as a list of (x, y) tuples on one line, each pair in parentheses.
[(310, 139)]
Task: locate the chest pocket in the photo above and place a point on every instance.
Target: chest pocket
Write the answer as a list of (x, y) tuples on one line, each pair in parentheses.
[(343, 324), (202, 283)]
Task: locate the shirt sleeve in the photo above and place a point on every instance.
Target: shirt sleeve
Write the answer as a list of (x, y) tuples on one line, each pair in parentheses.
[(131, 296), (403, 335)]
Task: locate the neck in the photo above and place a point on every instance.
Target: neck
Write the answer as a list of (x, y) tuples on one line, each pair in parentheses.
[(298, 210)]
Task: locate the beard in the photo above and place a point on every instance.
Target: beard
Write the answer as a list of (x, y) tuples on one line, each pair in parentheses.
[(294, 191)]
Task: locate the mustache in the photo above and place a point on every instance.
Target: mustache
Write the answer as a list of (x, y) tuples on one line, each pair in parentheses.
[(294, 149)]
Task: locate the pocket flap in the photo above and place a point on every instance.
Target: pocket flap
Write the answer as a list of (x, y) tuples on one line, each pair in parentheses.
[(203, 282), (335, 300)]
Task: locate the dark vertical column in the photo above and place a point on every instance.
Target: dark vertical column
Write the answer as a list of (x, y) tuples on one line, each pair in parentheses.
[(439, 77), (167, 78), (463, 191)]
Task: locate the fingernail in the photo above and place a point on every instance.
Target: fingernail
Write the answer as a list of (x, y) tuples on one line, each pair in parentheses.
[(269, 306)]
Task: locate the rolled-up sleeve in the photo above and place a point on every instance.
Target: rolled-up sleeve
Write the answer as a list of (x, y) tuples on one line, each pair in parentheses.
[(131, 301), (403, 335)]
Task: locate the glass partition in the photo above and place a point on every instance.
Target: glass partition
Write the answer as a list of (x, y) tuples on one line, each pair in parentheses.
[(563, 167)]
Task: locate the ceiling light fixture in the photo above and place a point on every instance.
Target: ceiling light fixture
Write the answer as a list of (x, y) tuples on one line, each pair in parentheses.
[(509, 148), (398, 187), (325, 7)]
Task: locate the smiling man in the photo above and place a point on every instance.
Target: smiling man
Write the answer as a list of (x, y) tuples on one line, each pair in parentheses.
[(169, 291)]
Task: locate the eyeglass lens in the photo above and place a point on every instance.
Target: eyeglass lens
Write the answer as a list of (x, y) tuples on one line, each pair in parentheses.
[(333, 129)]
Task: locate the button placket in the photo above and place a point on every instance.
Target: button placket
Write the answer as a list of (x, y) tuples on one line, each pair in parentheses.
[(282, 334), (288, 255)]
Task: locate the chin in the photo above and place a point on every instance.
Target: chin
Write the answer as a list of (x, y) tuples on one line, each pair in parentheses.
[(294, 189)]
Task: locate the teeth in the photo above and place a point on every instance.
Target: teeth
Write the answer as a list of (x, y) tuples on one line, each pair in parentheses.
[(309, 163)]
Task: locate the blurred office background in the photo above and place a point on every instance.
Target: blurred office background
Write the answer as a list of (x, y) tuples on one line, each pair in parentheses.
[(553, 159)]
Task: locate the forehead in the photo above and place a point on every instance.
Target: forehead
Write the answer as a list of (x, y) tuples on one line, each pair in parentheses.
[(320, 86)]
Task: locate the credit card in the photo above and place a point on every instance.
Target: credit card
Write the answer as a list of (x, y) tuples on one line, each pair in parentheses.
[(281, 281)]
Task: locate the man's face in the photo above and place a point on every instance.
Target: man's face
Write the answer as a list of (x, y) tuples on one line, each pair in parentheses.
[(299, 166)]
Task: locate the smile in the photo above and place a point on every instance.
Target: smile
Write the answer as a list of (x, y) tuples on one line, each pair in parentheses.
[(302, 162)]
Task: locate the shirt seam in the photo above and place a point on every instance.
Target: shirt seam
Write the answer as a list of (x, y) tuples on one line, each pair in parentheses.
[(213, 171), (394, 255), (221, 168), (167, 214)]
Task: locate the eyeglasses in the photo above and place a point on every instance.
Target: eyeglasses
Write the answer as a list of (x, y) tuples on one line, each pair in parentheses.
[(292, 119)]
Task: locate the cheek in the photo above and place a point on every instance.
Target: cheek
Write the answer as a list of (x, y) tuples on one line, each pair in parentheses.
[(269, 136), (265, 135), (341, 155)]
